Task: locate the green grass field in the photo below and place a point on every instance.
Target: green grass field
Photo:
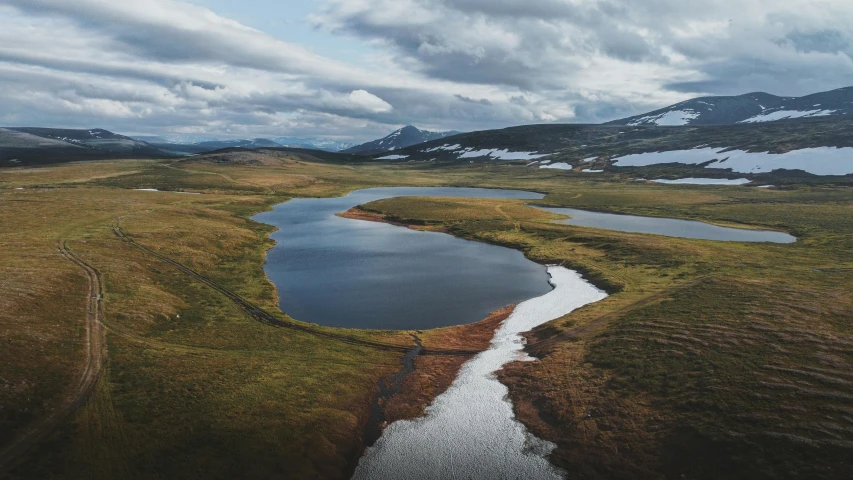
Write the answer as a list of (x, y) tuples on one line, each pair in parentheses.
[(706, 353)]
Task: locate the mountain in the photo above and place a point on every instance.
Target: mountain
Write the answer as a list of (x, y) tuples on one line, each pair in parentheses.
[(179, 139), (402, 138), (749, 108), (774, 151), (251, 143), (203, 143), (314, 143), (94, 139), (30, 146)]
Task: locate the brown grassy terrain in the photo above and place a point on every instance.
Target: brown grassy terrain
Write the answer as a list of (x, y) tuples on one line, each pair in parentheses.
[(189, 379), (710, 359)]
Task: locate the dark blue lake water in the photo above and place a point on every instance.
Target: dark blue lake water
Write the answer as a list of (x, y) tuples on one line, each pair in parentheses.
[(351, 273)]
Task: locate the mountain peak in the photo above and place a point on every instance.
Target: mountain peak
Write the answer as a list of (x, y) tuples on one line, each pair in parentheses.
[(401, 138)]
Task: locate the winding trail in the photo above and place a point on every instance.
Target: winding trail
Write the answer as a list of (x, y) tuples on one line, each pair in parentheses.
[(96, 354)]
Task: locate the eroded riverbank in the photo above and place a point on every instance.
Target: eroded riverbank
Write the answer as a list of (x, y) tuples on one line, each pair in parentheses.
[(470, 430)]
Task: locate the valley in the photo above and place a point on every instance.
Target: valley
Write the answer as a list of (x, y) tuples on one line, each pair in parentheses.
[(692, 354)]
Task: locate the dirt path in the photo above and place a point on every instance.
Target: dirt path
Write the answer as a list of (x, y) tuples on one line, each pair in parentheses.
[(96, 354)]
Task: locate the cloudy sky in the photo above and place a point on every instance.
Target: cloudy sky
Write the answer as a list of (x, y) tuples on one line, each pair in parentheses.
[(357, 69)]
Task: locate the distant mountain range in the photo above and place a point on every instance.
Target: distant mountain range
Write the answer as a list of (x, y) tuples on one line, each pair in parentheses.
[(203, 143), (749, 108), (402, 138)]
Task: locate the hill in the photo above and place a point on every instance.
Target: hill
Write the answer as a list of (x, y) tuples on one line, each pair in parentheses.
[(749, 108), (34, 146), (820, 146), (402, 138)]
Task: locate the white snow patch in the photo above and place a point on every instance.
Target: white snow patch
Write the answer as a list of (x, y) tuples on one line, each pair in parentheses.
[(146, 189), (590, 159), (500, 154), (507, 155), (671, 118), (783, 114), (470, 430), (558, 166), (817, 161), (766, 186), (532, 163), (704, 181), (19, 188), (677, 117), (393, 157), (589, 170), (475, 153), (444, 147)]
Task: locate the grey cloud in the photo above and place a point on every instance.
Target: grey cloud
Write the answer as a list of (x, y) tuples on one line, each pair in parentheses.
[(452, 64), (481, 101), (824, 41)]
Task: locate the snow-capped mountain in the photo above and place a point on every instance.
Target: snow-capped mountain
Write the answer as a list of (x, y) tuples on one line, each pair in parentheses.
[(749, 108), (402, 138)]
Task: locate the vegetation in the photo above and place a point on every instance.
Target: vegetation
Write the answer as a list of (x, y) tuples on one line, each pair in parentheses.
[(711, 359), (707, 354)]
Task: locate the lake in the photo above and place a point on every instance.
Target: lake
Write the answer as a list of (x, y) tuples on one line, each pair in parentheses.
[(670, 227), (350, 273)]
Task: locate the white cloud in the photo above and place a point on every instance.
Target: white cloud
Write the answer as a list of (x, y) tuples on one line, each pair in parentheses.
[(367, 101)]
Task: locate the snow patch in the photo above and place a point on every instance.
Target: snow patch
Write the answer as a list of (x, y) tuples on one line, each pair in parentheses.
[(671, 118), (470, 430), (449, 148), (704, 181), (817, 161), (589, 170), (590, 159), (475, 153), (558, 166), (393, 157), (500, 154), (783, 114)]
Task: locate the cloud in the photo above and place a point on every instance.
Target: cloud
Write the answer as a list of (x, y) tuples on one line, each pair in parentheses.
[(367, 101), (160, 66)]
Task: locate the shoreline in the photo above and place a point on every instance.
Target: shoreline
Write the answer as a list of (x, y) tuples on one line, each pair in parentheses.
[(471, 429)]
